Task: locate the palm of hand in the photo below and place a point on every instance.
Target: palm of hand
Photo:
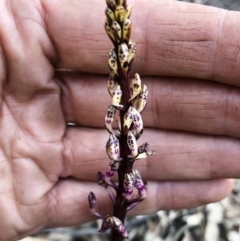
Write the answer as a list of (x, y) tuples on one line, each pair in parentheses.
[(31, 157), (32, 126)]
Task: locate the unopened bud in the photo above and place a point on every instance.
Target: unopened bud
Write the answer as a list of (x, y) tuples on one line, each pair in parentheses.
[(112, 60), (141, 101), (111, 111), (112, 169), (127, 28), (127, 120), (92, 200), (119, 13), (136, 86), (128, 185), (117, 31), (123, 54), (116, 98), (132, 144), (138, 124), (101, 179), (143, 148), (112, 148), (109, 14), (139, 184), (111, 4), (113, 222), (112, 84)]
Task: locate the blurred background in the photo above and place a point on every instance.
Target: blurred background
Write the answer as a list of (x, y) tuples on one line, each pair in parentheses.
[(213, 222), (226, 4)]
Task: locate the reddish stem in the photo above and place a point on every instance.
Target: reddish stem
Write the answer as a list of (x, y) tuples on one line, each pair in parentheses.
[(120, 209)]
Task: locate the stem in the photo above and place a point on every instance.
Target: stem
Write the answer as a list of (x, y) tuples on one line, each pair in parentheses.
[(120, 209)]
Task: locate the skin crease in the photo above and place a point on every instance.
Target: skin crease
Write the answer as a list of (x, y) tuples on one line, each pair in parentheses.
[(188, 56)]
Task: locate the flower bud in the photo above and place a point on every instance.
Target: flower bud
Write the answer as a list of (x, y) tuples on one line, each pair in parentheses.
[(111, 111), (92, 200), (127, 12), (132, 144), (112, 60), (109, 30), (131, 51), (128, 185), (121, 2), (127, 28), (138, 124), (145, 154), (127, 120), (109, 14), (112, 84), (113, 222), (111, 4), (139, 184), (117, 31), (143, 148), (143, 151), (116, 99), (112, 169), (112, 148), (101, 179), (143, 191), (119, 13), (123, 54), (135, 86), (141, 102)]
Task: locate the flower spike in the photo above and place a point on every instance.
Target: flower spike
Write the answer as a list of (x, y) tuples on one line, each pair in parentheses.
[(128, 99)]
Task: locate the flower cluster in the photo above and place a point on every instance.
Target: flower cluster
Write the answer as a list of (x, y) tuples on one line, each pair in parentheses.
[(129, 99)]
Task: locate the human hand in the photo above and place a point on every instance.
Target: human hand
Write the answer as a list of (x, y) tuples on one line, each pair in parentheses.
[(192, 118)]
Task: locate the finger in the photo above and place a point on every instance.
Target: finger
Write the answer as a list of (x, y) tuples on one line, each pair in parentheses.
[(36, 51), (176, 104), (173, 38), (179, 156), (68, 205)]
